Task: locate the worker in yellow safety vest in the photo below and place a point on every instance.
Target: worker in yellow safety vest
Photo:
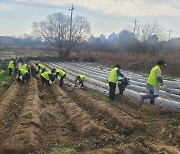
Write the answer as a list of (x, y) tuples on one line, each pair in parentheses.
[(23, 75), (112, 80), (62, 75), (47, 76), (154, 82), (80, 78), (25, 67), (41, 67), (11, 66)]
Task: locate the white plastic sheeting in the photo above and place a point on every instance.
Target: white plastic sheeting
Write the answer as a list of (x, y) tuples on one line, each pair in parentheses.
[(97, 80)]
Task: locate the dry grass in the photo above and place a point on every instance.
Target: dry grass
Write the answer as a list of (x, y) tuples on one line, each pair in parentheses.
[(139, 62)]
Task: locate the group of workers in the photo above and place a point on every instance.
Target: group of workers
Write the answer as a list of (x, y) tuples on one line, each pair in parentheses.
[(153, 83), (24, 73)]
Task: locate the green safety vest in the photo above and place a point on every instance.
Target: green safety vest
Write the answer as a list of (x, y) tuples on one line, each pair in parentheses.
[(83, 77), (23, 71), (152, 79), (61, 72), (25, 67), (41, 66), (113, 77), (11, 64), (46, 75)]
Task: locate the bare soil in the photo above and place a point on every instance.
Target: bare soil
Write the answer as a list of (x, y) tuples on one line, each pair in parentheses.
[(38, 119)]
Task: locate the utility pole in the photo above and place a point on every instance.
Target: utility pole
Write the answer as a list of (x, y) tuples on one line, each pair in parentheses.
[(135, 26), (170, 31), (71, 9)]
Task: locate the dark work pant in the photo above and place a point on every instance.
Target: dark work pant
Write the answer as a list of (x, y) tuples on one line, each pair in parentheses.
[(25, 77), (10, 71), (44, 81), (81, 83), (61, 82), (112, 89), (152, 96)]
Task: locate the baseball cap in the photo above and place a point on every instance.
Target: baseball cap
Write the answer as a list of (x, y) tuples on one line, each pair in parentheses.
[(161, 62)]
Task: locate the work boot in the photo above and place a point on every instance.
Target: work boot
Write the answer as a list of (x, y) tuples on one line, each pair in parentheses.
[(142, 97), (152, 102)]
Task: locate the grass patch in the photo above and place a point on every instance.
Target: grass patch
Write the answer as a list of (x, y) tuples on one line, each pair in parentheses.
[(4, 76), (4, 80), (63, 150), (175, 121)]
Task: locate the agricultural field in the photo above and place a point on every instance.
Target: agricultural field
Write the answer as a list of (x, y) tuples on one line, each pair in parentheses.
[(36, 119)]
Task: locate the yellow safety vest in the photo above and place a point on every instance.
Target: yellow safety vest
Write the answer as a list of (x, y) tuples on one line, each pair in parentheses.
[(152, 79), (41, 66), (11, 64), (61, 72), (23, 71), (113, 77), (46, 75), (83, 77), (25, 67)]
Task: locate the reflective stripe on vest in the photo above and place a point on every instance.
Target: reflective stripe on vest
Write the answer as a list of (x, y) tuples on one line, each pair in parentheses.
[(61, 72), (11, 64), (113, 77), (23, 71), (152, 79), (83, 77), (46, 75)]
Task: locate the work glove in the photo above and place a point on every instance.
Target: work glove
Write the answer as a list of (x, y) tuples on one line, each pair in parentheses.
[(125, 77), (163, 86)]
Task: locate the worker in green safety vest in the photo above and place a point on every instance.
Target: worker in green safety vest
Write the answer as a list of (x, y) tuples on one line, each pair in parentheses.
[(41, 67), (23, 75), (154, 82), (47, 76), (25, 67), (11, 66), (112, 80), (80, 78), (62, 75)]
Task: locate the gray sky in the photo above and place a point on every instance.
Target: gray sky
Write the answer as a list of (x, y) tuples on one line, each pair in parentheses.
[(105, 16)]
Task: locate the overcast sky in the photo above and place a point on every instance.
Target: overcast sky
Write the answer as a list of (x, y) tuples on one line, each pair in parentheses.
[(105, 16)]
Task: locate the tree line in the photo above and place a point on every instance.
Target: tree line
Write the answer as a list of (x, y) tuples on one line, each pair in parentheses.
[(54, 33)]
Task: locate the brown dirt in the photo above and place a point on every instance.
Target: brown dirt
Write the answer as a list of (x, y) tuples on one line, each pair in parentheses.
[(37, 119)]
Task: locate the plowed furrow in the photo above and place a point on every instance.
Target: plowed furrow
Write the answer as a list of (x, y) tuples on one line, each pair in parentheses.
[(10, 108), (56, 130), (85, 127), (114, 119), (8, 98), (81, 120), (25, 133)]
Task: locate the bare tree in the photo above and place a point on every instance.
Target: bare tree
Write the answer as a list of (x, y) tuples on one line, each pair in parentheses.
[(56, 30), (143, 32)]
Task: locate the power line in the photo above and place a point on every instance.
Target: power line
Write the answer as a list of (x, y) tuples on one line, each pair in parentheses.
[(14, 17), (58, 6), (96, 15), (35, 4)]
